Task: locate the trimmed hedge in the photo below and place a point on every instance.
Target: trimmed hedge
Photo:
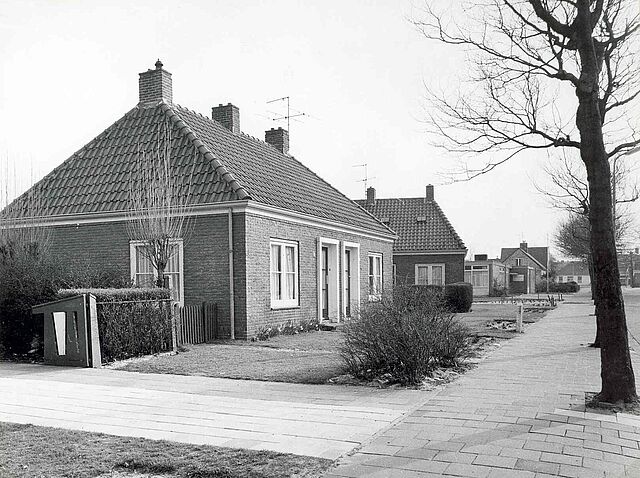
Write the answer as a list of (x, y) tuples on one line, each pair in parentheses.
[(456, 297), (561, 287), (459, 296), (131, 322)]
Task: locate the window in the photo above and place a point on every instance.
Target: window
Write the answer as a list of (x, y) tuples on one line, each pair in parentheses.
[(284, 274), (579, 279), (519, 261), (569, 278), (144, 273), (429, 274), (375, 275)]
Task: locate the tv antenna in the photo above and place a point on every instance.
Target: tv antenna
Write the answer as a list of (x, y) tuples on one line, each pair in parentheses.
[(366, 178), (288, 116)]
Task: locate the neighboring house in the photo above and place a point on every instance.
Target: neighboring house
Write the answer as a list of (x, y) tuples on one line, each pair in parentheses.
[(527, 265), (575, 271), (270, 240), (428, 249), (486, 275)]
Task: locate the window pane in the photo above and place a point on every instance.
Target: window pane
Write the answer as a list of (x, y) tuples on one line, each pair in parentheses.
[(143, 263), (173, 264), (275, 258), (275, 286), (422, 275), (467, 276), (145, 280), (436, 275), (290, 286), (290, 258)]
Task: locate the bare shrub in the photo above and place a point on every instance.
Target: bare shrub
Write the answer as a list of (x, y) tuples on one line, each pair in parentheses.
[(406, 335)]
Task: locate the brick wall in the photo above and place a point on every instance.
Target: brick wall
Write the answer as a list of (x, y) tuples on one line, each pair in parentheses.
[(259, 231), (453, 269), (206, 264), (206, 259)]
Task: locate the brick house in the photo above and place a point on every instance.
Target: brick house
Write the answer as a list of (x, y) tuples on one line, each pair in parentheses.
[(270, 241), (574, 271), (428, 249), (527, 266)]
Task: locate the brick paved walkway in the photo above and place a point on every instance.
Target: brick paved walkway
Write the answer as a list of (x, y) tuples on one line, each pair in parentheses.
[(315, 420), (519, 414)]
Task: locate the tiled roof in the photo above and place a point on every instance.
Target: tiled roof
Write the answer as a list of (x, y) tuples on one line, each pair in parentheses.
[(573, 269), (537, 253), (228, 167), (420, 224)]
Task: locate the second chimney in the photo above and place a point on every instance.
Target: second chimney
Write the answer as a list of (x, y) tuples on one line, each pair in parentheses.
[(278, 138), (429, 193), (371, 196), (228, 116), (524, 247)]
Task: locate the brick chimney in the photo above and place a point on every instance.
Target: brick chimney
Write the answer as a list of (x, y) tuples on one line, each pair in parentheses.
[(278, 138), (524, 247), (371, 196), (429, 193), (155, 85), (228, 116)]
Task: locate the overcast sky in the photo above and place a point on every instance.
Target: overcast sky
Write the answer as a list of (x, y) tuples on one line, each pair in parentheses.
[(357, 69)]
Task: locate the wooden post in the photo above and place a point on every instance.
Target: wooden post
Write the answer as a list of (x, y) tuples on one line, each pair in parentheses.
[(519, 318), (174, 328)]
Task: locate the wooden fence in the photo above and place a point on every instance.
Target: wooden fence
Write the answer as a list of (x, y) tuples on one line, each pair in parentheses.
[(197, 324)]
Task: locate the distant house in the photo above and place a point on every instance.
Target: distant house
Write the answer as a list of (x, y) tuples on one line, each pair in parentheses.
[(527, 265), (270, 241), (576, 271), (488, 276), (428, 250)]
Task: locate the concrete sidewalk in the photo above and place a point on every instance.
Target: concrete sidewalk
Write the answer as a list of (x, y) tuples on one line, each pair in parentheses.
[(519, 414), (313, 420)]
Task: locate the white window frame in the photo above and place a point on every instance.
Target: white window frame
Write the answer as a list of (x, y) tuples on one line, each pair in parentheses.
[(519, 261), (133, 251), (285, 303), (376, 256), (429, 273)]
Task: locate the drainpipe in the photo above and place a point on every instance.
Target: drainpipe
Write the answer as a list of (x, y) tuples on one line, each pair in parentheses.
[(231, 293)]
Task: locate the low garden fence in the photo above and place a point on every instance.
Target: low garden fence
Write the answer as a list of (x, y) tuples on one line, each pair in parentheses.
[(197, 324)]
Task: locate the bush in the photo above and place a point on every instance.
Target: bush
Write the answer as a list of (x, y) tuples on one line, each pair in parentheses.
[(288, 328), (131, 322), (459, 296), (28, 277), (560, 287), (406, 335), (85, 274)]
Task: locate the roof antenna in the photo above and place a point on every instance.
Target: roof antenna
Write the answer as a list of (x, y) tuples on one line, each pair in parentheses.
[(366, 178), (288, 116)]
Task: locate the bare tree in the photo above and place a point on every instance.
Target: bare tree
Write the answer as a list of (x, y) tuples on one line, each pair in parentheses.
[(160, 191), (550, 74)]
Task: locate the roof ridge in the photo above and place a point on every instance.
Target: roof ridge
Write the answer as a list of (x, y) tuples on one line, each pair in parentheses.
[(218, 167)]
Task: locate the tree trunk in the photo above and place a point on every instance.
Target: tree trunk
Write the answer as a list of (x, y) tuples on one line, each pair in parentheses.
[(592, 280), (618, 380)]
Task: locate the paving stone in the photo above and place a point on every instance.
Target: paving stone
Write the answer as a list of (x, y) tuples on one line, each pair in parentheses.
[(537, 466), (455, 457), (495, 461), (463, 469), (561, 459)]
